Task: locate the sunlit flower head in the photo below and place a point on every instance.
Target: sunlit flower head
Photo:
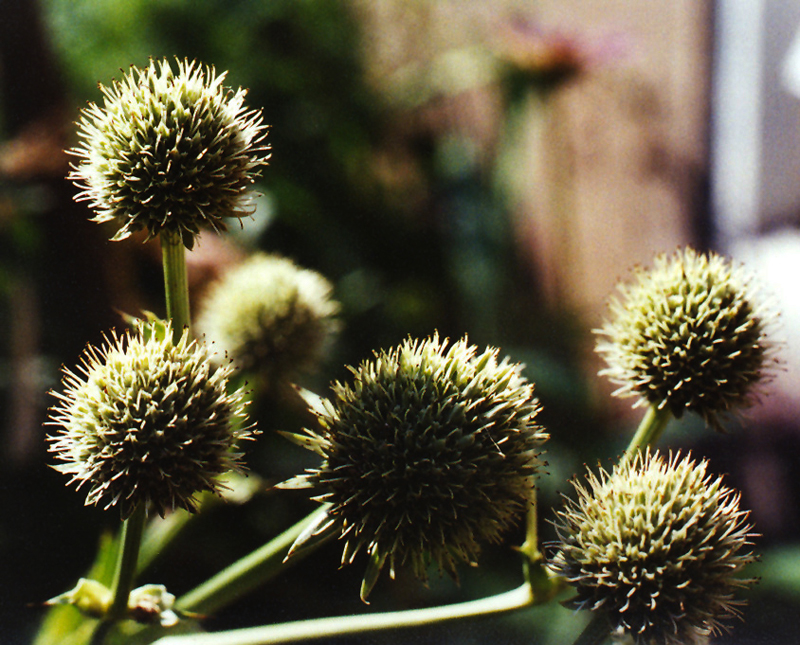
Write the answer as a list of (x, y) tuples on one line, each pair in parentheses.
[(688, 334), (169, 151), (146, 420)]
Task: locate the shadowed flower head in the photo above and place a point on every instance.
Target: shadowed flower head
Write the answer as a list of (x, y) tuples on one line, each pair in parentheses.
[(169, 151), (688, 335), (429, 452), (148, 421), (271, 317), (657, 545)]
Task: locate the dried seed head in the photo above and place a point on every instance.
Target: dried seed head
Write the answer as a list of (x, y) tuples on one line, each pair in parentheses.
[(429, 452), (658, 546), (688, 335), (148, 421), (169, 151), (271, 317)]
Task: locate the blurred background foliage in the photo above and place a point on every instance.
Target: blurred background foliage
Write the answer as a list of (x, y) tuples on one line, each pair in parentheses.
[(373, 182)]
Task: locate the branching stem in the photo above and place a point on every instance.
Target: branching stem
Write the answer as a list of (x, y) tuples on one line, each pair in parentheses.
[(306, 630)]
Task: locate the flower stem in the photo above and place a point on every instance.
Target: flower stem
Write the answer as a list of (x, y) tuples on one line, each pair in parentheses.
[(248, 573), (544, 584), (176, 283), (530, 548), (306, 630), (649, 430), (125, 573)]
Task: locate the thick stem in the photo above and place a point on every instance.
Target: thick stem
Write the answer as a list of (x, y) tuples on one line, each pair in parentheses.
[(544, 584), (306, 630), (248, 573), (176, 283), (530, 547), (100, 632), (649, 430), (126, 564)]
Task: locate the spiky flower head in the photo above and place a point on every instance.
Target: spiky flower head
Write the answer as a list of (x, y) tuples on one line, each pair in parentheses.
[(428, 453), (689, 335), (146, 420), (658, 546), (271, 317), (169, 151)]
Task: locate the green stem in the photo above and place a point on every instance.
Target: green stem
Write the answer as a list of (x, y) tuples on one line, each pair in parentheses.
[(125, 573), (176, 283), (649, 430), (596, 632), (530, 548), (248, 573), (544, 584), (100, 632), (305, 630)]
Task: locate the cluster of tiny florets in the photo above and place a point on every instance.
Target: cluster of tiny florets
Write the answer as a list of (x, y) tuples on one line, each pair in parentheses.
[(146, 420), (271, 317), (428, 453), (688, 335), (658, 546), (169, 151)]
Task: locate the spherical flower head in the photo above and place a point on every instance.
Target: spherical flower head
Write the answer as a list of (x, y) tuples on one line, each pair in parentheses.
[(271, 317), (169, 151), (428, 453), (657, 546), (689, 335), (146, 420)]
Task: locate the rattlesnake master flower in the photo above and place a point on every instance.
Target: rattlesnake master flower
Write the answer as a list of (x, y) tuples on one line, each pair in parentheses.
[(688, 335), (169, 151), (657, 545), (271, 317), (148, 421), (428, 453)]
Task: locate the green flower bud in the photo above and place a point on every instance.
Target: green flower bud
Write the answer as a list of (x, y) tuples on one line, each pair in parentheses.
[(148, 421), (152, 604), (688, 335), (169, 151), (657, 546), (271, 317), (429, 452), (89, 597)]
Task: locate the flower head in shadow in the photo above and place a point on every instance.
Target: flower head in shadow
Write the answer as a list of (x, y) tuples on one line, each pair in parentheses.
[(430, 452)]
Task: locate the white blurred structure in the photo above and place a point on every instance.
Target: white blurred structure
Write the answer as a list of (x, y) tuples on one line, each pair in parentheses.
[(755, 176)]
